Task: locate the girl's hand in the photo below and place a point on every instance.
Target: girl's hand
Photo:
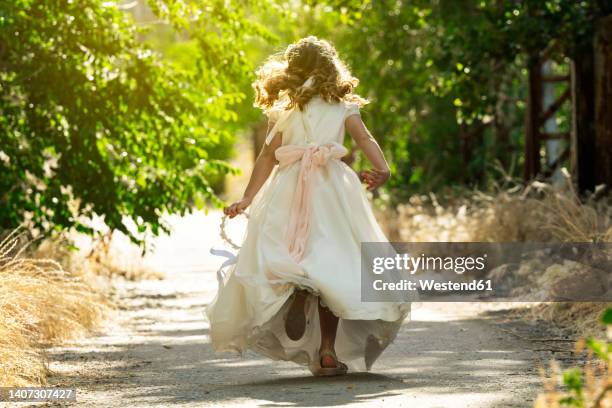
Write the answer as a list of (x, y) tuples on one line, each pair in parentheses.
[(374, 178), (238, 207)]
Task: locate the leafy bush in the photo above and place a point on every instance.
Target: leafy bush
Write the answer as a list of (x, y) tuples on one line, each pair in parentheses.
[(590, 386), (93, 122)]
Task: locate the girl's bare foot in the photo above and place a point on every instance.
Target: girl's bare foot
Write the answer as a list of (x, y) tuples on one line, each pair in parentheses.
[(328, 360)]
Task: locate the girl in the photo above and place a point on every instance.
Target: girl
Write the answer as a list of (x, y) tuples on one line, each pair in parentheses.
[(294, 292)]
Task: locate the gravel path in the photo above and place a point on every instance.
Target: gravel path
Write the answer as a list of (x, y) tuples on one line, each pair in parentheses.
[(157, 353)]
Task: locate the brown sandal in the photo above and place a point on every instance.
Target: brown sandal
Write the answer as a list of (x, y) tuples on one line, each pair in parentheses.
[(320, 371)]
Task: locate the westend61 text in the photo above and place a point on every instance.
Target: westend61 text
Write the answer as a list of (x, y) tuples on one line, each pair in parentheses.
[(431, 285)]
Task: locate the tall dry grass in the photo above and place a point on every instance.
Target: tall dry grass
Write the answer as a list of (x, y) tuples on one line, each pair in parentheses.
[(114, 256), (40, 304), (538, 212), (595, 389), (586, 385)]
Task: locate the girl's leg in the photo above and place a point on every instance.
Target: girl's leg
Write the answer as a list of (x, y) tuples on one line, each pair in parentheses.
[(329, 325)]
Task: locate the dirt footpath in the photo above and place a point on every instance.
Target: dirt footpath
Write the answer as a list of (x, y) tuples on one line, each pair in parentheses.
[(157, 353)]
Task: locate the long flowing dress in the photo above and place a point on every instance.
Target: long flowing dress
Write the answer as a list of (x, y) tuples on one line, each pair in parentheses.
[(305, 230)]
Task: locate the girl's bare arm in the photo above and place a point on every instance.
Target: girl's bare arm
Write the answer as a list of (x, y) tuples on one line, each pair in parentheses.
[(363, 138), (261, 171)]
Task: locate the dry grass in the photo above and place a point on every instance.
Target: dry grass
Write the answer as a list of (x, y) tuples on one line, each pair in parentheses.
[(40, 304), (581, 317), (114, 255), (110, 263), (595, 390), (537, 213)]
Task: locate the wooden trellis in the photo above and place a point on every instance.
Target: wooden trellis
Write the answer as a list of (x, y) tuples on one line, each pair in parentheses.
[(537, 117), (590, 92)]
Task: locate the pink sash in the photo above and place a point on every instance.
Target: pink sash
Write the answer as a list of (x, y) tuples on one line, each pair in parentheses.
[(312, 157)]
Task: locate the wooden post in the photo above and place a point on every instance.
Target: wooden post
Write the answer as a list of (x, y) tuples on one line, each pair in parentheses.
[(532, 126), (603, 101), (583, 119)]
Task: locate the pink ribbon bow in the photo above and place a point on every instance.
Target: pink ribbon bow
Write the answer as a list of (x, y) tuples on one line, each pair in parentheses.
[(312, 157)]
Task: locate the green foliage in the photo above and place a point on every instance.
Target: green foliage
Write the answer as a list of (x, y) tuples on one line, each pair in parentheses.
[(94, 122), (573, 379), (606, 317), (129, 120), (600, 348), (448, 80)]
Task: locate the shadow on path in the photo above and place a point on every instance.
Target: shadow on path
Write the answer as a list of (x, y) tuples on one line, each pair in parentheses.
[(159, 354)]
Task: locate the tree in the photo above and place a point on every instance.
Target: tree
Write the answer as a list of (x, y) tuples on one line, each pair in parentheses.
[(93, 122), (444, 89), (602, 167), (449, 81)]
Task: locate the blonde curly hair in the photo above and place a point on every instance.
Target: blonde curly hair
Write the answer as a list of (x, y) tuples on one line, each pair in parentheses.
[(284, 75)]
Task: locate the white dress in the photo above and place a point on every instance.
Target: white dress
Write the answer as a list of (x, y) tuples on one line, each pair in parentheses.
[(251, 305)]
